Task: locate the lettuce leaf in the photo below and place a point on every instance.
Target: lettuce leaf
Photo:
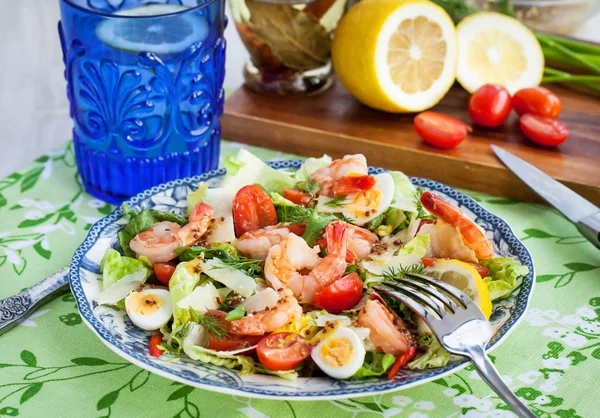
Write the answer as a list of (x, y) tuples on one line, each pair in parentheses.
[(249, 169), (315, 221), (505, 275), (407, 256), (114, 267), (182, 284), (140, 222), (404, 192), (197, 196), (311, 165), (435, 356), (279, 200), (375, 364), (232, 165)]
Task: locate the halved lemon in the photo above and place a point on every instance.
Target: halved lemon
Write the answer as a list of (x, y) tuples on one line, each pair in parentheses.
[(494, 48), (396, 55), (466, 278)]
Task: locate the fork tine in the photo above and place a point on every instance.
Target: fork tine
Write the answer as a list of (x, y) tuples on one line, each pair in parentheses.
[(431, 290), (453, 291), (431, 303), (415, 306)]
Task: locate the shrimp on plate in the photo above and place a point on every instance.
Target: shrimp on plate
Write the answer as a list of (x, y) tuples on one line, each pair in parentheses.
[(268, 320), (256, 244), (443, 233), (360, 242), (160, 242), (350, 165), (296, 266), (387, 333)]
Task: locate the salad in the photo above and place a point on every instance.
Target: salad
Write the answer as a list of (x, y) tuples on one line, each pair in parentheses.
[(273, 271)]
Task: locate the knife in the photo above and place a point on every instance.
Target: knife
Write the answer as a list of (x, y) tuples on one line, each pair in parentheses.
[(583, 213), (17, 307)]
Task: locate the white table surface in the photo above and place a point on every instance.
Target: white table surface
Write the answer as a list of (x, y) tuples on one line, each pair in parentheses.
[(34, 114)]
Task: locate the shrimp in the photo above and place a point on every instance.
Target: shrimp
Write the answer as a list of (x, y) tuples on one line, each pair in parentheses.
[(360, 241), (472, 235), (386, 334), (287, 263), (157, 243), (257, 244), (349, 165), (268, 320), (160, 242)]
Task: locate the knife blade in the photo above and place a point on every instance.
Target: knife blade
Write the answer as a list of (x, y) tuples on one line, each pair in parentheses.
[(583, 213)]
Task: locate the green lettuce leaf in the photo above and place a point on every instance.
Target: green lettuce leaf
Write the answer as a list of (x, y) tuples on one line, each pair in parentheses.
[(140, 222), (505, 275), (404, 192), (196, 196), (279, 200), (114, 267), (182, 283), (435, 356), (232, 165), (310, 165), (315, 221), (251, 170), (375, 364)]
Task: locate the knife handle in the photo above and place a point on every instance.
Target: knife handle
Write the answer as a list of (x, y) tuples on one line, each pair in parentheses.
[(590, 228)]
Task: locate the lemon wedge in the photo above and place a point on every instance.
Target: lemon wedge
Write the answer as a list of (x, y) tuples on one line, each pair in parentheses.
[(464, 277), (494, 48), (396, 55)]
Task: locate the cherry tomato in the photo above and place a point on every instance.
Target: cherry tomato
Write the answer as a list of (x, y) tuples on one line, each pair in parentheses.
[(402, 360), (439, 130), (542, 130), (164, 271), (297, 196), (490, 105), (346, 185), (252, 209), (481, 269), (342, 294), (155, 341), (537, 100), (297, 229), (282, 351), (228, 342)]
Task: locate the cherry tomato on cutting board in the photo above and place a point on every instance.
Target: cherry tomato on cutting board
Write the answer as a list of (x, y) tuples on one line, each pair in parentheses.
[(252, 209), (537, 100), (164, 271), (342, 294), (283, 350), (542, 130), (439, 130), (228, 342), (490, 105)]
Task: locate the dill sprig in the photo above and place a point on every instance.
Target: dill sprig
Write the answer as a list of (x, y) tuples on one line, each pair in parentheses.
[(210, 322), (172, 344), (250, 266), (393, 273), (337, 202), (309, 186)]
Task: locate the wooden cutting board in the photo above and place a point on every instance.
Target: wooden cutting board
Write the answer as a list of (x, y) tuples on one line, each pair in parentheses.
[(336, 124)]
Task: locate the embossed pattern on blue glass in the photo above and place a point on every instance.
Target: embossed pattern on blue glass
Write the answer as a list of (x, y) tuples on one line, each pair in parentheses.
[(145, 92), (116, 331)]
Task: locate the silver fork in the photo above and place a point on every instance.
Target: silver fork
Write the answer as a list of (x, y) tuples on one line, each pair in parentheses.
[(458, 324)]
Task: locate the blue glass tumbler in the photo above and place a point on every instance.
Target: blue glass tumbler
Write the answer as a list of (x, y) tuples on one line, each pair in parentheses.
[(145, 86)]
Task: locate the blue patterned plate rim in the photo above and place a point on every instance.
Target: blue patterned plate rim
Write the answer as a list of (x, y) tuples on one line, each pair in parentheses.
[(142, 359)]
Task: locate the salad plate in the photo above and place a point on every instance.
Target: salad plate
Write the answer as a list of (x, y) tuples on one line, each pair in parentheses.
[(114, 328)]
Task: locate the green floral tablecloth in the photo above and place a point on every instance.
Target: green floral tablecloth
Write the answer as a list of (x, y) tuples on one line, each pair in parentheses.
[(52, 365)]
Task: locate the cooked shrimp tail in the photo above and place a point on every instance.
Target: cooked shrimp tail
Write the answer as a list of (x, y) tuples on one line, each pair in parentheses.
[(199, 221)]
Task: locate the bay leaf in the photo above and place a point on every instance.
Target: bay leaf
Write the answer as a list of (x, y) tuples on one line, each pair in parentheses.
[(295, 38)]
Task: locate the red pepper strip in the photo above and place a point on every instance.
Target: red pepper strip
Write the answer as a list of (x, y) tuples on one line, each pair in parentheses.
[(402, 360), (155, 340), (344, 186)]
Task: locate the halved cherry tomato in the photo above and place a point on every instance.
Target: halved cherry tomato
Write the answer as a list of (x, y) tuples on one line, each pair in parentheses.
[(402, 360), (282, 351), (228, 342), (296, 196), (490, 105), (252, 209), (537, 100), (297, 229), (342, 294), (164, 271), (346, 185), (481, 269), (440, 130), (155, 341), (543, 131)]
